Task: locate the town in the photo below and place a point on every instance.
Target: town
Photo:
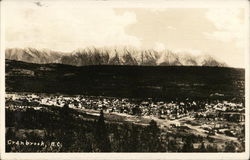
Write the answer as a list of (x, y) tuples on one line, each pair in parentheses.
[(218, 119), (216, 110)]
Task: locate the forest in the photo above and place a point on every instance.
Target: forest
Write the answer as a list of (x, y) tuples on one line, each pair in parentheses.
[(79, 132)]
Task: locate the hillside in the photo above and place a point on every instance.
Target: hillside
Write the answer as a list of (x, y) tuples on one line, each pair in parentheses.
[(164, 82)]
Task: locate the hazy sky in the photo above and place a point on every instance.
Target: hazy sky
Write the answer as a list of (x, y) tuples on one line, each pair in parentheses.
[(69, 26)]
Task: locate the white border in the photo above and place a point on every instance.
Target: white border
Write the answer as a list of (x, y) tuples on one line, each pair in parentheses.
[(135, 4), (2, 82)]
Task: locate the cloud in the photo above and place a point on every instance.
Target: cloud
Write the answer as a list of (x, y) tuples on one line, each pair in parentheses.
[(67, 26), (157, 10), (72, 27), (171, 27), (189, 51), (159, 46), (229, 25)]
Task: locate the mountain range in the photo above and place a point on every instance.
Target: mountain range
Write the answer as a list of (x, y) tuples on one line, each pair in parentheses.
[(105, 56)]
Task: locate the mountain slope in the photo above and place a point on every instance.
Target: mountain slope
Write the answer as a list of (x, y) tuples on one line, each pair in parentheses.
[(166, 82), (99, 56)]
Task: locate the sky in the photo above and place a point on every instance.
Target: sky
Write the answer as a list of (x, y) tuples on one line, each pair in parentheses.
[(64, 26)]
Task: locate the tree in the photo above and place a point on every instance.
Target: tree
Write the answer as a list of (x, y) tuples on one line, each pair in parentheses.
[(153, 135), (134, 142), (230, 147), (10, 134), (188, 146), (211, 148), (66, 133), (172, 146), (136, 111), (101, 135), (203, 148)]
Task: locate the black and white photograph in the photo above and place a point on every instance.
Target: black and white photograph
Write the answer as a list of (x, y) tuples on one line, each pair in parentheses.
[(92, 77)]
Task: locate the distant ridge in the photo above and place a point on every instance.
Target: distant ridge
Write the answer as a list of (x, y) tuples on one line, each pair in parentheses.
[(105, 56)]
